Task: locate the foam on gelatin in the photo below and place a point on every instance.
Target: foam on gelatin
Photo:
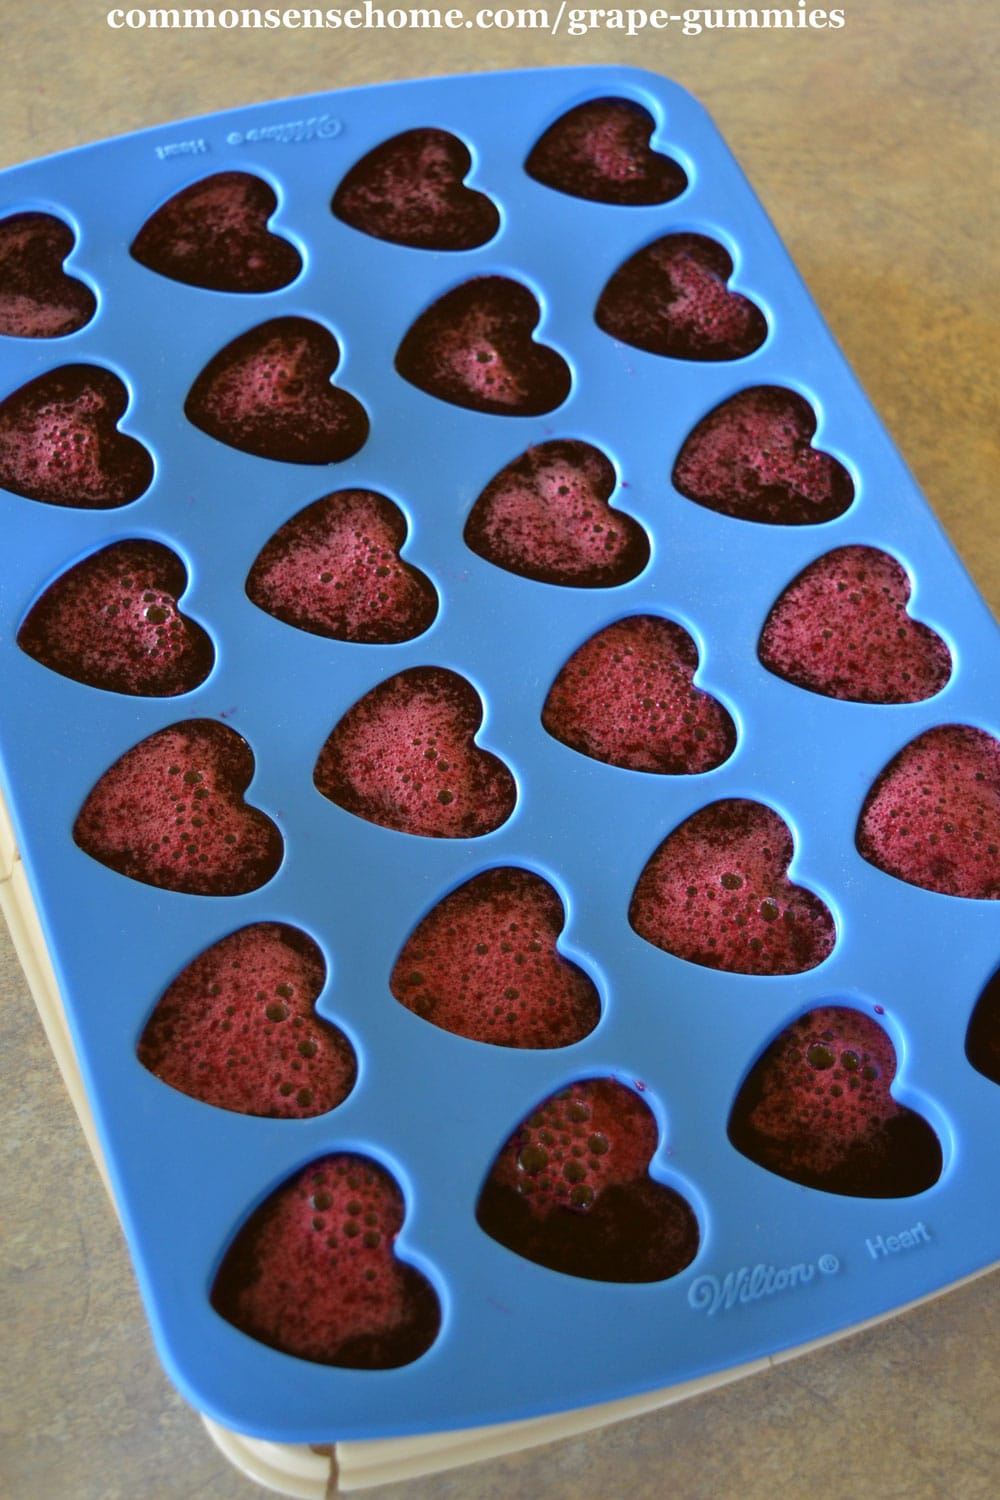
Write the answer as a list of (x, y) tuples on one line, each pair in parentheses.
[(313, 1271), (752, 458), (817, 1108), (672, 298), (60, 443), (627, 697), (411, 191), (841, 628), (269, 393), (404, 756), (546, 516), (484, 964), (932, 817), (571, 1190), (474, 348), (716, 893), (600, 150), (38, 298), (112, 621), (238, 1029), (171, 813), (334, 570)]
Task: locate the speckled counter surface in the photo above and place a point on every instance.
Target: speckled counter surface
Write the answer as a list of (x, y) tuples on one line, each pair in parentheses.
[(874, 149)]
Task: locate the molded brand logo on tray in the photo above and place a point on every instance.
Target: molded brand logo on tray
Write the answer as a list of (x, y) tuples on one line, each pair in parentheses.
[(289, 133), (712, 1294)]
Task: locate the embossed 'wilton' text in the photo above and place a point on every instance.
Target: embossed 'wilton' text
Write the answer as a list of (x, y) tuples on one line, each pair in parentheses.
[(712, 1294)]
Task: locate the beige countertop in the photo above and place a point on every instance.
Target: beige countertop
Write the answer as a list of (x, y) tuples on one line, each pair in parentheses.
[(873, 148)]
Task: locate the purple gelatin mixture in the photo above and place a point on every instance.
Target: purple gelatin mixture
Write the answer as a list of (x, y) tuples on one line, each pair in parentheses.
[(473, 347), (405, 757), (752, 458), (112, 621), (932, 817), (546, 516), (817, 1109), (411, 190), (571, 1190), (335, 570), (313, 1271), (841, 628), (238, 1028), (484, 964), (268, 393), (60, 443), (214, 234), (672, 298), (38, 299), (627, 697), (171, 813), (600, 150), (716, 893)]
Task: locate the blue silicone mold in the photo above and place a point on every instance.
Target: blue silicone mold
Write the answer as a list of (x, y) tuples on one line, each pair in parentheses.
[(516, 1339)]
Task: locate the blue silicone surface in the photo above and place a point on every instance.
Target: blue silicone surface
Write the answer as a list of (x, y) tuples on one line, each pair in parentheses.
[(516, 1339)]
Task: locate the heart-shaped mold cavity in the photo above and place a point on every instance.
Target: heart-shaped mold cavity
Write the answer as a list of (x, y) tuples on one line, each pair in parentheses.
[(405, 757), (238, 1028), (982, 1041), (38, 300), (335, 570), (751, 458), (672, 298), (171, 813), (112, 621), (214, 234), (268, 393), (600, 150), (817, 1109), (411, 190), (571, 1190), (484, 964), (313, 1271), (841, 629), (932, 817), (60, 444), (473, 347), (546, 516), (627, 698), (716, 893)]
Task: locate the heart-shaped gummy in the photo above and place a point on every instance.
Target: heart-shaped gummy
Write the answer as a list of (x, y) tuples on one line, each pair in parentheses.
[(411, 190), (627, 697), (484, 964), (473, 348), (600, 150), (335, 570), (214, 234), (982, 1041), (171, 813), (715, 892), (841, 629), (238, 1028), (313, 1271), (751, 458), (817, 1109), (672, 298), (59, 441), (405, 757), (932, 817), (571, 1190), (546, 516), (38, 300), (112, 621), (268, 393)]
